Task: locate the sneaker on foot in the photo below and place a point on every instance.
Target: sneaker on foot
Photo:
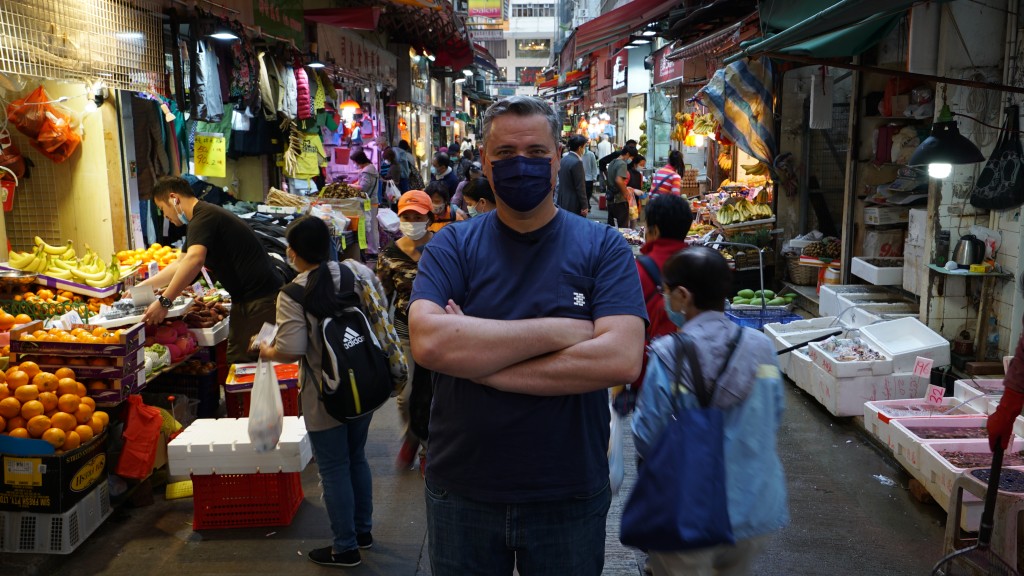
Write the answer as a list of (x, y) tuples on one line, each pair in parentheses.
[(326, 557), (364, 541), (406, 455)]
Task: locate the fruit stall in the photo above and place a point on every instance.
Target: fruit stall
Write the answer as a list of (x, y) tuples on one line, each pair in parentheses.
[(79, 367)]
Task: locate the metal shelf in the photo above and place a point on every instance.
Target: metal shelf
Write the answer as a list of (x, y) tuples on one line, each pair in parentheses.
[(941, 270)]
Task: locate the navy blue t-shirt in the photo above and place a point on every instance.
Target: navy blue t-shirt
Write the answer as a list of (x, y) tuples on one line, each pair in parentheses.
[(499, 446)]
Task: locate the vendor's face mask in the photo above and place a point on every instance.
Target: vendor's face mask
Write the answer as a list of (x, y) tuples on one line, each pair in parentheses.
[(176, 204), (677, 318)]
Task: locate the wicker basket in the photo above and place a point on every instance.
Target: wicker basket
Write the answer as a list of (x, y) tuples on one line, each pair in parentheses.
[(799, 274)]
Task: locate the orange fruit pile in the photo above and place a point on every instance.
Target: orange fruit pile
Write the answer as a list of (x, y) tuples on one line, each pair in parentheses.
[(51, 407), (97, 335), (162, 255), (8, 321)]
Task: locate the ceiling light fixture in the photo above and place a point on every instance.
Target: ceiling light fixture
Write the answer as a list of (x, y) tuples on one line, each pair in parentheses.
[(223, 32), (945, 146), (460, 80), (468, 72)]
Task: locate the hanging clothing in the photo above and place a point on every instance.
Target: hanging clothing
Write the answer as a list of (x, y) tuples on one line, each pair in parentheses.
[(207, 91), (289, 95), (150, 156), (269, 85), (304, 101)]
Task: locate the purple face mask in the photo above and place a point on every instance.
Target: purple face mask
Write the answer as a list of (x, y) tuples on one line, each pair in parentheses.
[(522, 183)]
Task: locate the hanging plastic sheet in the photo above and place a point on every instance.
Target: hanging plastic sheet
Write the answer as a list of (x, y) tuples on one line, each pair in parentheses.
[(740, 96)]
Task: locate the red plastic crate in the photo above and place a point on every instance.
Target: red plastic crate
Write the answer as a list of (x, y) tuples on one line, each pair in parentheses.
[(245, 500), (238, 402)]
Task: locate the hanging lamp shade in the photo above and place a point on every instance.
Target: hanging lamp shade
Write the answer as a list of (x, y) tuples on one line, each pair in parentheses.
[(349, 104), (945, 145)]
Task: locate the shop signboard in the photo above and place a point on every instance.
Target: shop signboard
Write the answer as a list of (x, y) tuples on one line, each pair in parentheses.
[(210, 154), (280, 18), (666, 70), (485, 9), (620, 65), (638, 79), (529, 74), (352, 52)]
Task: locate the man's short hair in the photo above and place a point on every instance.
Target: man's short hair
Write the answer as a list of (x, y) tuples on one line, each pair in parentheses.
[(576, 142), (439, 188), (442, 159), (630, 142), (630, 151), (522, 106), (167, 184), (671, 214)]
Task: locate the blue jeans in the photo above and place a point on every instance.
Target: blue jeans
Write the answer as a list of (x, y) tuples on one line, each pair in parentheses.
[(561, 538), (345, 477)]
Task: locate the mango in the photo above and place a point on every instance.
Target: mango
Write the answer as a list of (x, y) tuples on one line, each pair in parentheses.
[(768, 294), (777, 302), (746, 294)]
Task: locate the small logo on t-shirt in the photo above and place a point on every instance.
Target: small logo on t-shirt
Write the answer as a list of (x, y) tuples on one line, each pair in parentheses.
[(352, 338), (579, 299)]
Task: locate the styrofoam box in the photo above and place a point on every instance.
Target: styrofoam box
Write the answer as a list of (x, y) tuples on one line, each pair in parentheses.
[(800, 370), (906, 339), (828, 297), (846, 396), (914, 268), (964, 389), (908, 443), (941, 475), (918, 219), (852, 368), (37, 533), (868, 314), (878, 275), (222, 446), (786, 335), (877, 415), (213, 335)]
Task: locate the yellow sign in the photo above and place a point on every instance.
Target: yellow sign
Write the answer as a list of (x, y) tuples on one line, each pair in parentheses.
[(210, 153), (23, 471), (89, 473)]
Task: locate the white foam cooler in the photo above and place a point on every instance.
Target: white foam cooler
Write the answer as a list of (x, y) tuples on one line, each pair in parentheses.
[(909, 445), (222, 446), (906, 339), (787, 335), (879, 414), (846, 396)]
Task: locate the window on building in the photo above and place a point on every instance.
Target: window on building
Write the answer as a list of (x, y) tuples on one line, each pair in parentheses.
[(533, 11), (497, 48), (539, 48), (528, 74)]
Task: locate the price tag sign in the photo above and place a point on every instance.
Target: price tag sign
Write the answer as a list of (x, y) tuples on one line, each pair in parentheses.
[(71, 319), (206, 276), (105, 310), (143, 295), (934, 395), (362, 234), (210, 154), (344, 245), (923, 367), (152, 270), (367, 206), (198, 289)]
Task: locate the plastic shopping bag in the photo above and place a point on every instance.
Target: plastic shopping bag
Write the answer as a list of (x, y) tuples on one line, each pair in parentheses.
[(391, 191), (141, 434), (616, 460), (266, 413), (388, 220)]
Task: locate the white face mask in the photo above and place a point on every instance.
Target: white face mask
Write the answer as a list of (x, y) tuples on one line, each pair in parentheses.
[(437, 208), (472, 210), (413, 230)]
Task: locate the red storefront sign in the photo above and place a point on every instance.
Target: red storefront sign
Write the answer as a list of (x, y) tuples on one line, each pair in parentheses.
[(666, 70)]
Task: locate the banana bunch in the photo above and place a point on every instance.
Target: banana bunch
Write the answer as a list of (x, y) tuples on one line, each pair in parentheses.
[(741, 211), (704, 124), (756, 169), (61, 262)]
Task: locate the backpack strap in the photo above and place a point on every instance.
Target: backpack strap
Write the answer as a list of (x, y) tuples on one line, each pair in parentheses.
[(651, 267), (688, 349), (295, 291)]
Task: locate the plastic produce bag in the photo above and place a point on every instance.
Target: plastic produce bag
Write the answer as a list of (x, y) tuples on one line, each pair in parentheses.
[(616, 460), (388, 220), (141, 434), (50, 129), (266, 413), (29, 113), (10, 156), (391, 191)]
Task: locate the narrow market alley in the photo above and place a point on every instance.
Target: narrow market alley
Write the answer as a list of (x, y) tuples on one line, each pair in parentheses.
[(851, 515)]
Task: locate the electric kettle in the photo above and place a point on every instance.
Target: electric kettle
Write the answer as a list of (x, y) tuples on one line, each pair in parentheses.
[(969, 250)]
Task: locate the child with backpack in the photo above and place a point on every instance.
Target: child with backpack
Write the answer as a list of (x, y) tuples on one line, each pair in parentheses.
[(332, 320)]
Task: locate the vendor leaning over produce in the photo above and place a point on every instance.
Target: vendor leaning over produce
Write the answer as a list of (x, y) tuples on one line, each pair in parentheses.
[(1000, 423), (222, 242)]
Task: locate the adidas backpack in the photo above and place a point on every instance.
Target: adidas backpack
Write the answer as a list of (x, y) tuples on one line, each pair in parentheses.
[(355, 377)]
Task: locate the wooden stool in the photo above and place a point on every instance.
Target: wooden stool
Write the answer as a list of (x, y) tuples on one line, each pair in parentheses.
[(1006, 523)]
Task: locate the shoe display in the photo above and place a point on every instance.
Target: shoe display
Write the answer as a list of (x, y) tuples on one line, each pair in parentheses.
[(365, 541), (325, 557)]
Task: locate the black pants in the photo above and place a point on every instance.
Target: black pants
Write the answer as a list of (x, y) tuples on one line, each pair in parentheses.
[(590, 192), (618, 215)]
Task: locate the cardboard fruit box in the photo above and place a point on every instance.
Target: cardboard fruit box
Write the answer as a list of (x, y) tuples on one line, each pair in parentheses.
[(117, 366), (36, 479), (130, 340)]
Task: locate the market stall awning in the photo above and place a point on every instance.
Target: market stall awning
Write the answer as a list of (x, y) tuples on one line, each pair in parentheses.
[(724, 39), (358, 18), (845, 28), (482, 58), (619, 22)]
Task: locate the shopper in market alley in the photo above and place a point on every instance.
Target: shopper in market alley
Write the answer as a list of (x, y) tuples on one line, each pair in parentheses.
[(572, 181), (445, 212), (606, 159), (406, 164), (465, 163), (590, 172), (669, 178), (740, 369), (397, 266), (619, 192), (1000, 423), (474, 171), (479, 197), (443, 171), (338, 447), (521, 431), (223, 243)]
